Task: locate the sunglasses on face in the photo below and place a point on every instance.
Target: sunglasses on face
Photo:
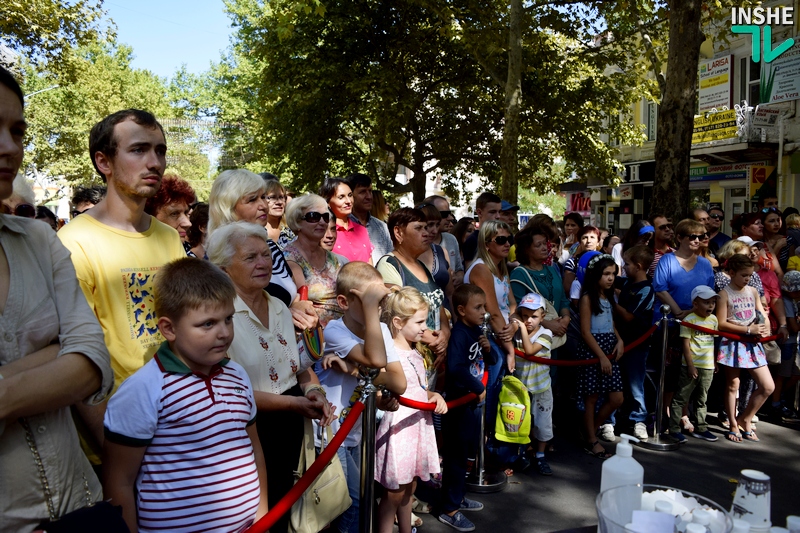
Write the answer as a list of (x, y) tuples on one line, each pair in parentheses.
[(25, 210), (445, 214), (502, 239), (315, 216), (663, 227), (696, 237), (717, 217), (770, 210)]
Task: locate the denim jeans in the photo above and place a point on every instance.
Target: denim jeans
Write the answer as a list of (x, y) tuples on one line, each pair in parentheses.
[(350, 458), (636, 366)]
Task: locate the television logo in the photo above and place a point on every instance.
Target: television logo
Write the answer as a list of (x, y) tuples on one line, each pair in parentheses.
[(756, 21)]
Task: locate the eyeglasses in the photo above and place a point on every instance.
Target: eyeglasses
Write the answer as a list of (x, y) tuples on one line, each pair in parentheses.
[(502, 239), (315, 216), (662, 227), (25, 210), (696, 237), (717, 217), (445, 214), (770, 210), (272, 198)]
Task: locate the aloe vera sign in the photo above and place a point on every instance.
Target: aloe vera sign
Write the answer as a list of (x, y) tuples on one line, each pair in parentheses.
[(780, 80)]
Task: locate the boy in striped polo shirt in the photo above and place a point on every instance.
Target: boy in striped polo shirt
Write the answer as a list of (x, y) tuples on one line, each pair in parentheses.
[(536, 376), (698, 365), (181, 451)]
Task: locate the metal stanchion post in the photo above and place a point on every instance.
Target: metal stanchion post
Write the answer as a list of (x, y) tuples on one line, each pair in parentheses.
[(480, 481), (367, 491), (658, 441)]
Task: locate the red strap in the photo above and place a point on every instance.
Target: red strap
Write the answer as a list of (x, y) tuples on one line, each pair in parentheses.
[(430, 406)]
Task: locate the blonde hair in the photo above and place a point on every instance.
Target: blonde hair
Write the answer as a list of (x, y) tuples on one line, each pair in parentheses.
[(298, 207), (274, 187), (354, 275), (488, 232), (793, 221), (228, 188), (731, 248), (403, 304), (190, 283)]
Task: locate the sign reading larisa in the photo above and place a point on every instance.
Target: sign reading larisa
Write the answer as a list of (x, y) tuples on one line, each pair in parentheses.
[(756, 21)]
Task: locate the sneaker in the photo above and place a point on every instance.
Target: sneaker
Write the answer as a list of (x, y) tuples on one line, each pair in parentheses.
[(705, 435), (470, 505), (606, 432), (640, 431), (680, 437), (785, 414), (754, 419), (458, 521), (544, 468)]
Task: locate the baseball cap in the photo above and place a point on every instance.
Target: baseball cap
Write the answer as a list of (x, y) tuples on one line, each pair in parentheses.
[(505, 205), (703, 291), (532, 301), (748, 241), (791, 281)]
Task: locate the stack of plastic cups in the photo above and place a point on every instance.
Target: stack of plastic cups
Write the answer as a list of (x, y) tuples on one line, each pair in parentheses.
[(751, 502)]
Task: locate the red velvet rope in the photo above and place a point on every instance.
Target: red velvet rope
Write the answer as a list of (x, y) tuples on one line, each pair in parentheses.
[(285, 503), (731, 336), (430, 406)]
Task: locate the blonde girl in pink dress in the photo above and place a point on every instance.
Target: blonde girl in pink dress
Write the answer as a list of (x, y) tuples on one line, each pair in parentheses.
[(406, 444)]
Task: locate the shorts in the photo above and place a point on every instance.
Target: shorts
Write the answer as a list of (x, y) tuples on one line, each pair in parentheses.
[(542, 413)]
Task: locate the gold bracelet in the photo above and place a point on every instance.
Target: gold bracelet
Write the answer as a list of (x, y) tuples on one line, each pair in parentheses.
[(312, 388)]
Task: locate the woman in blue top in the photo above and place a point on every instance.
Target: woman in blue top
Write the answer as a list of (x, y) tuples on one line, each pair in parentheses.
[(676, 275)]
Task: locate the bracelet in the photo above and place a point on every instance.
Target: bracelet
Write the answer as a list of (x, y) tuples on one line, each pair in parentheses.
[(312, 388), (783, 326), (748, 330)]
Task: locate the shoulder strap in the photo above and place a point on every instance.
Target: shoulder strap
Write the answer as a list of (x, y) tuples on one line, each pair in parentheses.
[(532, 287), (392, 260)]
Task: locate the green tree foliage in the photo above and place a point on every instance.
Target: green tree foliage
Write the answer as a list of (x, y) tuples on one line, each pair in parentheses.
[(47, 30)]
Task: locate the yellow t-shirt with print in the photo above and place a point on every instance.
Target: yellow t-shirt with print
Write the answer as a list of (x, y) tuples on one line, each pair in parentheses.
[(116, 270)]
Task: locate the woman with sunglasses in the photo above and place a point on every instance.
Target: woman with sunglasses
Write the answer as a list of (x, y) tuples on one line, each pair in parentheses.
[(313, 266), (676, 275), (353, 240), (241, 195), (489, 272)]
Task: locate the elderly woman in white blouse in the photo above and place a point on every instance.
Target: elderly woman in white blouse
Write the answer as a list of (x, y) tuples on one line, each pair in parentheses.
[(264, 344)]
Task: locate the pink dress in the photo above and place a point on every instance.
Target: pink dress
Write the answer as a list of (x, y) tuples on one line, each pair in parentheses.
[(405, 447)]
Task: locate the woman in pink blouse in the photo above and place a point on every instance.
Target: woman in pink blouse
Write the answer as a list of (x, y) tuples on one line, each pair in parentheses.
[(352, 240)]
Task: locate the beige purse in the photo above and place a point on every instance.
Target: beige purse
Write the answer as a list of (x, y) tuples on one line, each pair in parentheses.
[(327, 497)]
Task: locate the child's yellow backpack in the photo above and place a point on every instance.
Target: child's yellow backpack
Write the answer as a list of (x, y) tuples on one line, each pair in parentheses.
[(513, 413)]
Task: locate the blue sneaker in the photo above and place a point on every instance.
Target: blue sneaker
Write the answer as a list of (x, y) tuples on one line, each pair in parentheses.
[(470, 505), (705, 435), (680, 437), (458, 521)]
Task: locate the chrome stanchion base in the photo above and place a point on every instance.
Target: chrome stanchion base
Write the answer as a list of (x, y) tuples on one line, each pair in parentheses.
[(487, 482), (659, 443)]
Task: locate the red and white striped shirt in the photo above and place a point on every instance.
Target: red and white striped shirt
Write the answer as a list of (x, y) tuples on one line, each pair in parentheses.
[(198, 472)]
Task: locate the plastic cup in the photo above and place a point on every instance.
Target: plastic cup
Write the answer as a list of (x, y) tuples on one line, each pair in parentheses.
[(751, 502), (614, 506)]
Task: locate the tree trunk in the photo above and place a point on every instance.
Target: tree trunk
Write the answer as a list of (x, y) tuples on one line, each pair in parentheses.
[(508, 155), (676, 112)]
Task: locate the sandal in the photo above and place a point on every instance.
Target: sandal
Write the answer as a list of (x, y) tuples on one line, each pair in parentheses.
[(589, 448), (420, 507), (750, 435), (415, 520), (733, 436), (687, 424)]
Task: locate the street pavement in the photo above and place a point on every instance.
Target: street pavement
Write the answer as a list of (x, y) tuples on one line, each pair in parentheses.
[(533, 503)]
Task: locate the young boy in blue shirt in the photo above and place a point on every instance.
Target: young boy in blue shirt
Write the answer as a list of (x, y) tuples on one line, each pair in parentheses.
[(461, 425)]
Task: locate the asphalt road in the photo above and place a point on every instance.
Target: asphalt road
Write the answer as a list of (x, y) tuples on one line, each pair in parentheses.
[(533, 503)]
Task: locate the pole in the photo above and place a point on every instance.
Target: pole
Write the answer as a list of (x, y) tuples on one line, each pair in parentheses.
[(659, 442), (367, 492)]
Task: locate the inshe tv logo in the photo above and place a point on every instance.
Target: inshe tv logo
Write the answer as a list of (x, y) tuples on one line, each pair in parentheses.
[(756, 21)]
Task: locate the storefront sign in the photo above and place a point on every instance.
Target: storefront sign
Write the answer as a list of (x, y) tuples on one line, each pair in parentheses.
[(715, 84), (780, 80), (580, 202), (714, 126), (758, 177), (626, 192), (730, 171), (766, 116)]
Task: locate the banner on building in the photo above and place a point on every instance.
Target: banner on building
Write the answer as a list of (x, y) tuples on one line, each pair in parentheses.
[(580, 202), (728, 171), (714, 126), (715, 84), (780, 80)]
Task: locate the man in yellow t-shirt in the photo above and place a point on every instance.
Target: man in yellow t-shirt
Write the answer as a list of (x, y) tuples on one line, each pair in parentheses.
[(117, 248)]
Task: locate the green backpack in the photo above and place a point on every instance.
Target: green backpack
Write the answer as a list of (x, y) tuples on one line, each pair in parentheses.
[(513, 413)]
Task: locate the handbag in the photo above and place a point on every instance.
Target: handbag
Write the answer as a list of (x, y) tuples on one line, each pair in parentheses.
[(550, 311), (773, 352), (95, 517), (327, 497)]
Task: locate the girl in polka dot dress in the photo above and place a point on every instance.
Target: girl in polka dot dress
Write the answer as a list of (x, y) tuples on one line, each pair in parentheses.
[(599, 339)]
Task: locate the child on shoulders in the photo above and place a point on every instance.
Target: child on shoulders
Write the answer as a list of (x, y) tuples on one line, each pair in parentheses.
[(181, 448)]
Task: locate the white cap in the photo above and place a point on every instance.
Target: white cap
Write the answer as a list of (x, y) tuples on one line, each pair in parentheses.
[(748, 241), (663, 506), (740, 526), (701, 516), (703, 291), (532, 301)]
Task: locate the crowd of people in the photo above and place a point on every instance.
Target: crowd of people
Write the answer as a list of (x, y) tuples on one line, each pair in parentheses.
[(159, 368)]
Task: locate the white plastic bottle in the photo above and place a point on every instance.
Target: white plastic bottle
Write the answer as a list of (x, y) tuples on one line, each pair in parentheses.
[(623, 469), (740, 526)]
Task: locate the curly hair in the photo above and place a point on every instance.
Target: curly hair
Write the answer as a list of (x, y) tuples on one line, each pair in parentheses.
[(173, 189)]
